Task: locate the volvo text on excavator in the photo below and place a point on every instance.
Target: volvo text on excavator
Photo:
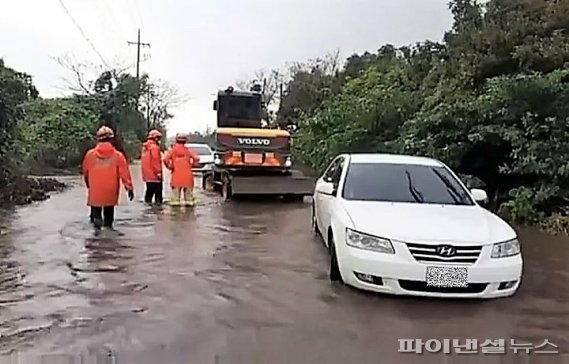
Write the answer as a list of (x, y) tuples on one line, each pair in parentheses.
[(252, 158)]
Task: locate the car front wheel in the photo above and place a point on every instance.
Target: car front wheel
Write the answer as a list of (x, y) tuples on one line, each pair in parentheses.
[(335, 275)]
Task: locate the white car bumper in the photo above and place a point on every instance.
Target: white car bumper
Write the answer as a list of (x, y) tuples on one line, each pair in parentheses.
[(206, 167), (401, 274)]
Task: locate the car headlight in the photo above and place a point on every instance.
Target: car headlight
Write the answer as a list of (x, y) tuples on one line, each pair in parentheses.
[(368, 242), (506, 249)]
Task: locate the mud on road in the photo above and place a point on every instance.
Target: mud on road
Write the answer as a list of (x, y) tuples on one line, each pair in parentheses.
[(234, 283)]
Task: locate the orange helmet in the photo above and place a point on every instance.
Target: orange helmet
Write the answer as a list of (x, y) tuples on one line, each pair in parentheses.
[(180, 137), (154, 134), (105, 132)]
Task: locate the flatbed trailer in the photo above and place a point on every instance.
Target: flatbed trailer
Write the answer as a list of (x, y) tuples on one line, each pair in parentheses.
[(291, 185)]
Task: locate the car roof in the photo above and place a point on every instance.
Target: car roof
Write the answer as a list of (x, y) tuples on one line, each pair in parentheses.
[(197, 145), (393, 159)]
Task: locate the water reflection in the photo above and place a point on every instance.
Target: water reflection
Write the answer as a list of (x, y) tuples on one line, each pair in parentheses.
[(234, 282)]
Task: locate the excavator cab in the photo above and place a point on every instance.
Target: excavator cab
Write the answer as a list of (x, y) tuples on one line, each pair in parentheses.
[(242, 141), (251, 158)]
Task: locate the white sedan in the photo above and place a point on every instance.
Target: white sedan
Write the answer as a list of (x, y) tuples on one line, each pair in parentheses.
[(407, 225), (206, 156)]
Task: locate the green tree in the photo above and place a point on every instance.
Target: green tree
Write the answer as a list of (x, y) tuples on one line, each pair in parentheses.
[(15, 89), (56, 132), (490, 101)]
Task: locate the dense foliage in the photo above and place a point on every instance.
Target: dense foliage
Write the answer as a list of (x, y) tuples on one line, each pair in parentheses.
[(55, 133), (15, 90), (38, 135), (491, 101)]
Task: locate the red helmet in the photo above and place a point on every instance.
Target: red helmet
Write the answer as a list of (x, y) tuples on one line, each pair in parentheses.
[(154, 134), (180, 137), (105, 132)]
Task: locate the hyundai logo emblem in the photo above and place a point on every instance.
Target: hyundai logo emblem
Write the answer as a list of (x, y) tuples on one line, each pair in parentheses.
[(446, 251)]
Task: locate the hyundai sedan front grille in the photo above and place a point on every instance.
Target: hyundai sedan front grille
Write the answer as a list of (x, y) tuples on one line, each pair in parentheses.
[(429, 253)]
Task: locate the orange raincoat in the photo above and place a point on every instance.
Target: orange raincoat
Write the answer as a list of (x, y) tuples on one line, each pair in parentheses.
[(180, 160), (103, 168), (151, 162)]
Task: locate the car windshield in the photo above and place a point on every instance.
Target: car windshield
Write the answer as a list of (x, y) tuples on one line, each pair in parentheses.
[(403, 183), (201, 150)]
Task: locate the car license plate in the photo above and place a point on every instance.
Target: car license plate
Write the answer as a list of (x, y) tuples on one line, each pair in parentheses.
[(253, 158), (447, 277)]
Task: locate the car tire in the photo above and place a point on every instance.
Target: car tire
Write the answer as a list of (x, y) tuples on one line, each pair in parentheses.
[(315, 229), (207, 182), (216, 187), (226, 191), (335, 274)]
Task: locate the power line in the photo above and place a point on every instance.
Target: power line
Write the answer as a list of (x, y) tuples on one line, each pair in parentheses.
[(83, 33)]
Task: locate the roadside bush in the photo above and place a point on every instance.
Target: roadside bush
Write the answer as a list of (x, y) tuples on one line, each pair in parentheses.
[(54, 131), (491, 101), (521, 206), (558, 223)]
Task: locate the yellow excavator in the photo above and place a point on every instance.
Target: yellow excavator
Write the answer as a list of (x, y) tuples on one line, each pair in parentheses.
[(250, 157)]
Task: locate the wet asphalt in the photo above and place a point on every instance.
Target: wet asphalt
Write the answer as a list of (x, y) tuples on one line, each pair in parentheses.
[(235, 282)]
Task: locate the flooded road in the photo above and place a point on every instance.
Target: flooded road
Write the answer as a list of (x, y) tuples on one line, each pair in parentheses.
[(235, 283)]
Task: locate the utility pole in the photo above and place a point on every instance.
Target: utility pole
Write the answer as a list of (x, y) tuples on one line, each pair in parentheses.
[(138, 45), (148, 109), (280, 101)]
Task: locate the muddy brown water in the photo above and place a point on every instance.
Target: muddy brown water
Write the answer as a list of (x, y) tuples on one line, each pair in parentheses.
[(235, 283)]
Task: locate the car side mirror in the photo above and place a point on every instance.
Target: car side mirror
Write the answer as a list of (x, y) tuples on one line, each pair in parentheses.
[(479, 195), (334, 189), (326, 188), (215, 105)]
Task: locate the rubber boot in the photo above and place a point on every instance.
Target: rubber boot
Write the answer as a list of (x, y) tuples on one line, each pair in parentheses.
[(189, 199), (175, 198), (97, 223)]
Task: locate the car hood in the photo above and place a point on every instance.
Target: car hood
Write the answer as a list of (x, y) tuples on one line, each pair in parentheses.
[(206, 159), (428, 222)]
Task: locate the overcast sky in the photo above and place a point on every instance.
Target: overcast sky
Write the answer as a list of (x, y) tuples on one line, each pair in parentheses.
[(202, 46)]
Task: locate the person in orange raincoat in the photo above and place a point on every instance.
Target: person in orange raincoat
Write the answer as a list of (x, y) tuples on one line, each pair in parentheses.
[(151, 167), (180, 160), (103, 168)]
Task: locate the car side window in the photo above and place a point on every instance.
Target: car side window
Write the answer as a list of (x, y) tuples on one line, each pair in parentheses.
[(338, 173), (329, 174)]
